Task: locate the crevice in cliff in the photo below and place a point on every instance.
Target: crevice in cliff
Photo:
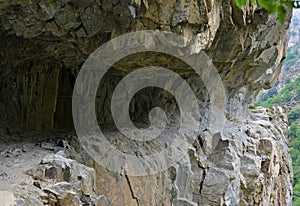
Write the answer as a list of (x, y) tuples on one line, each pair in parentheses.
[(131, 190), (63, 111), (202, 181)]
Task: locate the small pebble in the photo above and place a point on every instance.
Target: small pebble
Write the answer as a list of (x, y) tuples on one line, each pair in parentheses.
[(61, 153)]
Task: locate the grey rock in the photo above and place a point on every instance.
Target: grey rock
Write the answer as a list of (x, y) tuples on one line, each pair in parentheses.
[(47, 146), (17, 152), (215, 185), (7, 198), (48, 9), (44, 44), (63, 169), (62, 193), (61, 153), (67, 18)]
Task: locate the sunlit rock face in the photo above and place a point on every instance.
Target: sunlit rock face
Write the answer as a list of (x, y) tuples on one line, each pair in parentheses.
[(44, 44)]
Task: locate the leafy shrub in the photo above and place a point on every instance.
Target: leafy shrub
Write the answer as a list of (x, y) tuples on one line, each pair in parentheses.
[(273, 7), (294, 114)]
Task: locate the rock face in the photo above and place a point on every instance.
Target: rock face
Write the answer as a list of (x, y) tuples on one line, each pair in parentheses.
[(247, 164), (75, 184), (44, 44)]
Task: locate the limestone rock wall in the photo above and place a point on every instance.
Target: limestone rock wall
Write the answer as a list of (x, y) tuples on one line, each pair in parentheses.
[(44, 43), (247, 164)]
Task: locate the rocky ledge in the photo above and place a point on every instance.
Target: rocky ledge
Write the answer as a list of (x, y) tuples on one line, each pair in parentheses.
[(247, 164)]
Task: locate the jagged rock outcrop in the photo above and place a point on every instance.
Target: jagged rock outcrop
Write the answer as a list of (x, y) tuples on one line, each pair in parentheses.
[(44, 44), (55, 181), (247, 164)]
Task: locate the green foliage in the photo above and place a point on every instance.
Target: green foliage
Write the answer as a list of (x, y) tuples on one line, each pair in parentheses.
[(294, 114), (240, 3), (271, 93), (289, 92), (292, 57), (296, 202), (294, 135), (272, 195), (273, 7)]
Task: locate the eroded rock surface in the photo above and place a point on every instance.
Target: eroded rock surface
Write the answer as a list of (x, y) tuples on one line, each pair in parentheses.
[(37, 176), (44, 44), (247, 164)]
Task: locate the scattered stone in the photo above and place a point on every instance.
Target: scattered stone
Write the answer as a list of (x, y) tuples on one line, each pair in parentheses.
[(7, 198), (20, 202), (3, 175), (36, 174), (63, 169), (47, 146), (86, 199), (17, 152), (13, 152), (57, 149), (63, 194), (61, 153), (101, 200)]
